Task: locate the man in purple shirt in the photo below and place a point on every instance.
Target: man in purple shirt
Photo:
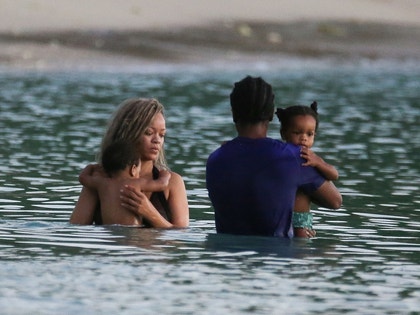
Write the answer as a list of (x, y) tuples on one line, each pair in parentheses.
[(252, 180)]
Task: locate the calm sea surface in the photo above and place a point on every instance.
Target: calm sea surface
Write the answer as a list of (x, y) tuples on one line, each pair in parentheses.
[(364, 260)]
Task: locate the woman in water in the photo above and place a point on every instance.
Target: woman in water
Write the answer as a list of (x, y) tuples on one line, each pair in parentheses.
[(140, 121)]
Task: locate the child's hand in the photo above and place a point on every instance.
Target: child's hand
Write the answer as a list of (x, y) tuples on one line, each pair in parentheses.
[(87, 171), (311, 158), (327, 170), (164, 177), (98, 170), (304, 232), (91, 170)]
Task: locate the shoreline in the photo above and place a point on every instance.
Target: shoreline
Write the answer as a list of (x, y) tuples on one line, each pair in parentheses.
[(46, 34), (231, 42), (26, 16)]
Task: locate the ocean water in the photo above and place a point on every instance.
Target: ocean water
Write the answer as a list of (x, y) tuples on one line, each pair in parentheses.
[(364, 260)]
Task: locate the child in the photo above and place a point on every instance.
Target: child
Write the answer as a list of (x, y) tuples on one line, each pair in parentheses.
[(121, 165), (298, 126)]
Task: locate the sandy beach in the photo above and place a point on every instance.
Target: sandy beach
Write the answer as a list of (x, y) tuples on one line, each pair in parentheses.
[(58, 34)]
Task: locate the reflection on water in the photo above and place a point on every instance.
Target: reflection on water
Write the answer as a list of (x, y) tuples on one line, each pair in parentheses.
[(365, 258)]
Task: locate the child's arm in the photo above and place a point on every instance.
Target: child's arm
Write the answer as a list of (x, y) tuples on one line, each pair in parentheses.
[(312, 159), (159, 184), (90, 176)]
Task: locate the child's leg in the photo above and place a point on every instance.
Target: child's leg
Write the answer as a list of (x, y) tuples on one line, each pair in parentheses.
[(302, 222), (302, 218)]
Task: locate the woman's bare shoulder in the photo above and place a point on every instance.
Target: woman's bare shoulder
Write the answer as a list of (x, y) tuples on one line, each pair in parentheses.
[(176, 179)]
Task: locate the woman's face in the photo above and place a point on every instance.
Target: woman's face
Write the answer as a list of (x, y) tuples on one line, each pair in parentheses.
[(152, 139), (301, 131)]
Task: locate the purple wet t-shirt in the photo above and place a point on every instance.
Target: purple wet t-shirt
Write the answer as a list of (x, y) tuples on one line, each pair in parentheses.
[(252, 185)]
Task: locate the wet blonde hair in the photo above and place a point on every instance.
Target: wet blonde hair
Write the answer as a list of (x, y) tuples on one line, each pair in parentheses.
[(129, 123)]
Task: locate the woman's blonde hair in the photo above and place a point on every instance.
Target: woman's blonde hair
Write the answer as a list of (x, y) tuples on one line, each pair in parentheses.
[(129, 123)]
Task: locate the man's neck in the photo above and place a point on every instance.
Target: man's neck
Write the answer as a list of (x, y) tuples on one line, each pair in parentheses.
[(253, 131)]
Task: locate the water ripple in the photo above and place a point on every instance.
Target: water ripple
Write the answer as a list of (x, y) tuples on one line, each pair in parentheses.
[(51, 125)]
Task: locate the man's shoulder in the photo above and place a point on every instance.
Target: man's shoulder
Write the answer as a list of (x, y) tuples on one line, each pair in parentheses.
[(266, 145), (284, 147)]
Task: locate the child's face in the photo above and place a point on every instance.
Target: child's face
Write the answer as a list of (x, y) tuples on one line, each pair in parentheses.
[(301, 131)]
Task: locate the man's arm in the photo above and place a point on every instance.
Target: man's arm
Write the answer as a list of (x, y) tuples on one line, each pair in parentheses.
[(328, 196)]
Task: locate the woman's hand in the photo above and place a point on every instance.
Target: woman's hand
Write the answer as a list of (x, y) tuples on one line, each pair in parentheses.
[(138, 203), (133, 200)]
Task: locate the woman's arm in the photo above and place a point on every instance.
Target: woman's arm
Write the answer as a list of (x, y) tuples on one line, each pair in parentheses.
[(85, 207), (134, 200), (178, 203), (84, 211)]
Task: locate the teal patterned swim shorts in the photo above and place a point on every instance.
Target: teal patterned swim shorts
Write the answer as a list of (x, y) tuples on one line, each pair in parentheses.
[(302, 220)]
